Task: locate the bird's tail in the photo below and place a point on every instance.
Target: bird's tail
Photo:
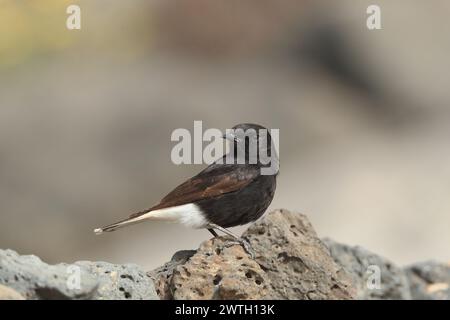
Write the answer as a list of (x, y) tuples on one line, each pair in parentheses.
[(188, 214), (134, 218)]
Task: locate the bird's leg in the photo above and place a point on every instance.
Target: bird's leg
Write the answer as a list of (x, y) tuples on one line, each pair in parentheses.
[(244, 243), (228, 232), (214, 233)]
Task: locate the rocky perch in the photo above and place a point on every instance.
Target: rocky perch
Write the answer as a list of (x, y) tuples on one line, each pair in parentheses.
[(290, 262)]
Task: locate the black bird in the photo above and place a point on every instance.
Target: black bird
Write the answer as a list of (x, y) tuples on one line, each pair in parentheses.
[(224, 194)]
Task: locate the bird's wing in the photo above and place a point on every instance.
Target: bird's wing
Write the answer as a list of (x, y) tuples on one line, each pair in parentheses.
[(211, 182)]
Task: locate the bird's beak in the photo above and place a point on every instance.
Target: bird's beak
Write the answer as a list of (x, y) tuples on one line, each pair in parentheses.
[(229, 136)]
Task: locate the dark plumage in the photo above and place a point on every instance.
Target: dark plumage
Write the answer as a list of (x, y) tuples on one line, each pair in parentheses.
[(222, 195)]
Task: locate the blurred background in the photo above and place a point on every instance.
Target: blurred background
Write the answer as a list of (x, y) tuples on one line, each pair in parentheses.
[(86, 117)]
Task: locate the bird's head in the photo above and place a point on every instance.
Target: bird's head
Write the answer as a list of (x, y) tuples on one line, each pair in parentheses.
[(249, 131), (252, 141)]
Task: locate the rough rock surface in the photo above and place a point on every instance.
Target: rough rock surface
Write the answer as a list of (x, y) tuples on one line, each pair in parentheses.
[(219, 269), (290, 262), (34, 279), (162, 275), (362, 264), (296, 261), (429, 280)]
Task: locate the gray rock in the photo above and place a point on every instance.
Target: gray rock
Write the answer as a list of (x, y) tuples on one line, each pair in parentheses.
[(290, 262), (116, 282), (34, 279), (362, 265), (295, 260), (429, 280)]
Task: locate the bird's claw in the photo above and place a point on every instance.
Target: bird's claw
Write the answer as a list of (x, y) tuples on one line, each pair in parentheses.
[(244, 243)]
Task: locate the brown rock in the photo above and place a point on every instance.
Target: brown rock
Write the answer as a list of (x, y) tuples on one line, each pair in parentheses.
[(295, 260), (291, 262), (219, 270), (163, 275)]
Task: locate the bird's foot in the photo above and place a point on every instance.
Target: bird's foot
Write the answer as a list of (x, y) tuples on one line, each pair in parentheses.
[(244, 243)]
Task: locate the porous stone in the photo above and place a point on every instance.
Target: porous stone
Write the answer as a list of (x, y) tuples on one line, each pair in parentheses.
[(34, 279), (429, 280), (375, 277), (161, 276), (219, 269), (290, 262), (296, 262)]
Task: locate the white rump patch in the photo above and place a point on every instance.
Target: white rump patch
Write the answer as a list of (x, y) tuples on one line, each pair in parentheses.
[(189, 215)]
